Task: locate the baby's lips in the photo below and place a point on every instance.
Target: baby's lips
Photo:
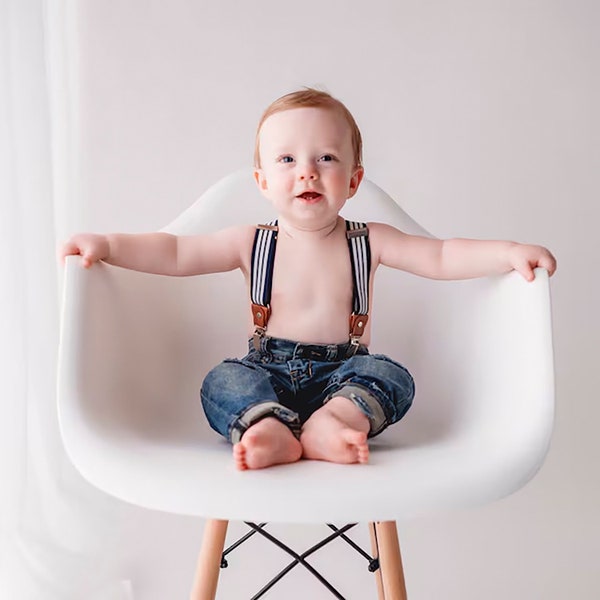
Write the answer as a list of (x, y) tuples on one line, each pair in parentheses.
[(309, 195)]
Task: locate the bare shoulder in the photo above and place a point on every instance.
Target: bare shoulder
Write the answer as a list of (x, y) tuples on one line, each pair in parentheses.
[(243, 237), (238, 235), (382, 236), (234, 237), (222, 250), (395, 248), (382, 229)]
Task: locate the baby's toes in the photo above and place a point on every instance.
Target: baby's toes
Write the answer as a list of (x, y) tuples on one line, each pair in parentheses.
[(239, 456), (363, 453)]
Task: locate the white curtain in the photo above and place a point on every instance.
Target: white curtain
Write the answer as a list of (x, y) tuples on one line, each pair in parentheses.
[(58, 537)]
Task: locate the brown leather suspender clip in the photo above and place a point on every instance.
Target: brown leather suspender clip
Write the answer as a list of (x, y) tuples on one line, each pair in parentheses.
[(357, 328), (260, 316)]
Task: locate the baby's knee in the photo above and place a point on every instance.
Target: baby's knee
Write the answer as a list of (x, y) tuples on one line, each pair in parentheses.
[(381, 387), (225, 374)]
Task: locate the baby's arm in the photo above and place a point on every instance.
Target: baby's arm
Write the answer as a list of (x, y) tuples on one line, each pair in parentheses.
[(456, 258), (164, 253)]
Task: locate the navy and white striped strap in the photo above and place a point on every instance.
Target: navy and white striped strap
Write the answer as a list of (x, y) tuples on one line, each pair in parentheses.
[(263, 258), (360, 257)]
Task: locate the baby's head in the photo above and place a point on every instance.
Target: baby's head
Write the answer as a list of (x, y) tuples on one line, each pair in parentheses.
[(308, 158), (311, 98)]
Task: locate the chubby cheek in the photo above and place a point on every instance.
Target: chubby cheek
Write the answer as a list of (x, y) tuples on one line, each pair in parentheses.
[(285, 183), (340, 181), (278, 182)]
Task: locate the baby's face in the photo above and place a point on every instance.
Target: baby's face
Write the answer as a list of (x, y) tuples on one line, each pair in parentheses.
[(307, 168)]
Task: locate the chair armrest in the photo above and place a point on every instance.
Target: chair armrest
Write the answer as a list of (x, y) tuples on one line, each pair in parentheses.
[(121, 348)]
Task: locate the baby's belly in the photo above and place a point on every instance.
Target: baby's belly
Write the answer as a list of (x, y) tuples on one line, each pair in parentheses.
[(312, 327)]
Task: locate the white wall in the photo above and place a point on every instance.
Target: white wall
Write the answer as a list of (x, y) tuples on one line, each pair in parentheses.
[(480, 118)]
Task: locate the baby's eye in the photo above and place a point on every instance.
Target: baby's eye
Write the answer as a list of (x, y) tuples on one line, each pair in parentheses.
[(327, 158), (286, 159)]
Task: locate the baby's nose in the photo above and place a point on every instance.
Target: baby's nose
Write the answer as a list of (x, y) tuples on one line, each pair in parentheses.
[(308, 172)]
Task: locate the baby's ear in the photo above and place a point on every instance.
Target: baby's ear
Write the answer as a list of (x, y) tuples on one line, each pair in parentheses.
[(355, 180), (260, 179)]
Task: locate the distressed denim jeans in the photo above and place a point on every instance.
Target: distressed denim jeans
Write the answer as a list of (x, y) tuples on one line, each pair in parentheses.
[(290, 381)]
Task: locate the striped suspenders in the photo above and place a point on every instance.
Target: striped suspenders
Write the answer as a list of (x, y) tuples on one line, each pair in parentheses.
[(261, 278), (360, 257)]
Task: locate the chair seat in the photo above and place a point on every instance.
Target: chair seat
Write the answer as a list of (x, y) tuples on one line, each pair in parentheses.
[(135, 348)]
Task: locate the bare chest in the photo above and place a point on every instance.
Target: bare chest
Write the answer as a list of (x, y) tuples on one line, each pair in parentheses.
[(316, 274)]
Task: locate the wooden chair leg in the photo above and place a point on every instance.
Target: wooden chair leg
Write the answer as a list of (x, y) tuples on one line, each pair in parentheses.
[(375, 552), (209, 560), (390, 582)]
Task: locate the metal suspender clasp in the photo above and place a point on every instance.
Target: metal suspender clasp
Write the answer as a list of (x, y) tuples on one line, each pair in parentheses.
[(268, 227), (357, 328), (260, 316), (352, 233)]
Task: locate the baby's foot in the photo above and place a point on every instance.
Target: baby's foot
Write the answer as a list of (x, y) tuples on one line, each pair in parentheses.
[(326, 437), (266, 443)]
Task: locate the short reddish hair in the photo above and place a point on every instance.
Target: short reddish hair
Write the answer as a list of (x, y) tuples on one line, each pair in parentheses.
[(311, 98)]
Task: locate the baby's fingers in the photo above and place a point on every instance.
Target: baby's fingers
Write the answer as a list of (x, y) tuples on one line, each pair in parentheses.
[(67, 249), (526, 258), (89, 257), (526, 270), (87, 261), (548, 262), (91, 247)]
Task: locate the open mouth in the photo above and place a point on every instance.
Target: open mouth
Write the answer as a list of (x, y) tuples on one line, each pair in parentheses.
[(309, 196)]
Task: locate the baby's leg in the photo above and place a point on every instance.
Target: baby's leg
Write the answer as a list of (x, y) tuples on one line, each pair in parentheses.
[(268, 442), (337, 432), (373, 391), (229, 397)]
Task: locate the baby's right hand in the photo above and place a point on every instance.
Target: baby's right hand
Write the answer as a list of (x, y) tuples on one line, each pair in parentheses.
[(91, 247)]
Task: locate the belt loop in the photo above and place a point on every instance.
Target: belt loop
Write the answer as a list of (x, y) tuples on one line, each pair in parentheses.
[(296, 351), (264, 344)]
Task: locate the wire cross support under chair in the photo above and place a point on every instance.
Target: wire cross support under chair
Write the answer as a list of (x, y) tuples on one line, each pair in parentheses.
[(300, 558)]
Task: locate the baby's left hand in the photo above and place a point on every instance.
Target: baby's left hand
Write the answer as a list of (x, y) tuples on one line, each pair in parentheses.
[(524, 258)]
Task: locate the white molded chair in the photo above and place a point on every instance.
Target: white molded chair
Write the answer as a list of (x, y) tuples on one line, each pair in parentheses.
[(135, 348)]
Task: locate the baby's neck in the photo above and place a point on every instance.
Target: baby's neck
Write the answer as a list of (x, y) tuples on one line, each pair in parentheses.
[(307, 233)]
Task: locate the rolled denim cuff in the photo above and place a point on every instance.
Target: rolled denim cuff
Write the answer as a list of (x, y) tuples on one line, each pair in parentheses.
[(366, 402), (260, 411)]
